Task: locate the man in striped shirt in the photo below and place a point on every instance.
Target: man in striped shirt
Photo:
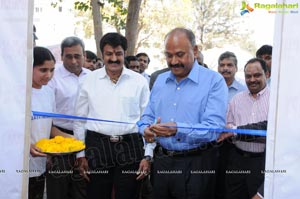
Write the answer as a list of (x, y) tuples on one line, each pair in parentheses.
[(247, 158)]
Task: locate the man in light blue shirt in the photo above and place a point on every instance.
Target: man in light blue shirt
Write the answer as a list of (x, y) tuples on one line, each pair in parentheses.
[(227, 67), (184, 103), (234, 89)]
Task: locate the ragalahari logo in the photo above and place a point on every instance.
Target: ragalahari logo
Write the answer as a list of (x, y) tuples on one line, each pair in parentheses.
[(245, 8)]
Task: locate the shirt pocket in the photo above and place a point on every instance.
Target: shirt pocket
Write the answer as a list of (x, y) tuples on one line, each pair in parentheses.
[(130, 106)]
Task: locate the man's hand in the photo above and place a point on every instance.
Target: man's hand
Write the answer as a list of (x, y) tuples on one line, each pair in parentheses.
[(144, 169), (36, 152), (149, 135), (224, 136), (82, 164), (256, 196), (163, 129)]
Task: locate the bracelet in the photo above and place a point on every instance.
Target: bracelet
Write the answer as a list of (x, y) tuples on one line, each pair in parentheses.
[(148, 158)]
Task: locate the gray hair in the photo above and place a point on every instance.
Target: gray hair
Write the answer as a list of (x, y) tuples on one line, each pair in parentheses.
[(71, 41), (227, 55)]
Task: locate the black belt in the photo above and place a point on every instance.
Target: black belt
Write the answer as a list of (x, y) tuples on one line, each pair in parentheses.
[(65, 130), (196, 151), (248, 154), (112, 138)]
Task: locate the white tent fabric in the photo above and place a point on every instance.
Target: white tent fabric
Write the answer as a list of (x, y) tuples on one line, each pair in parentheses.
[(283, 154), (15, 89)]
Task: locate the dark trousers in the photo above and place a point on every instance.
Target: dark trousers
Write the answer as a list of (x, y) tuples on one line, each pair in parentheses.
[(244, 175), (185, 177), (113, 164), (36, 187), (224, 151), (146, 191), (63, 179)]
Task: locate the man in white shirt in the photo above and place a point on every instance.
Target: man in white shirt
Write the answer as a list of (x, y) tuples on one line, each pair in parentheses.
[(65, 85), (114, 151), (144, 61)]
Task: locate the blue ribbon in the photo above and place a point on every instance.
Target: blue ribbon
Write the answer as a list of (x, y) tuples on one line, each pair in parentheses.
[(71, 117), (239, 131)]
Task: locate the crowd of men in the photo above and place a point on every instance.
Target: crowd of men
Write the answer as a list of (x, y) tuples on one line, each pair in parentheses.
[(159, 144)]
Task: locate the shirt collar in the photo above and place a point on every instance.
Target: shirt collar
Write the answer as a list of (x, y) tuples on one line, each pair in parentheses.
[(262, 92), (193, 75), (103, 74), (66, 73), (234, 85)]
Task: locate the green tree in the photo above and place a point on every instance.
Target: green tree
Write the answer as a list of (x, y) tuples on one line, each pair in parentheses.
[(132, 25), (215, 22), (97, 22), (120, 14), (156, 19), (218, 22)]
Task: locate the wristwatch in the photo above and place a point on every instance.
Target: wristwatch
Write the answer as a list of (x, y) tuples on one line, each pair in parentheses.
[(148, 158)]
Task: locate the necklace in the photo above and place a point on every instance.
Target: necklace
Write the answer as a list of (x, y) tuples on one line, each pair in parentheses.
[(114, 80)]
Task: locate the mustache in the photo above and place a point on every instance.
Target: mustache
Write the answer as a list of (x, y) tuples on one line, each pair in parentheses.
[(253, 83), (226, 72), (114, 62), (176, 65)]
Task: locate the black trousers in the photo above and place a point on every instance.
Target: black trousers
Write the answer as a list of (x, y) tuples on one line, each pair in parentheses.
[(113, 164), (63, 180), (146, 191), (244, 175), (185, 177), (224, 151), (36, 187)]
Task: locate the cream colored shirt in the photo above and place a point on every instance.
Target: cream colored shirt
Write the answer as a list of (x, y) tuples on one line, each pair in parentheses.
[(65, 85), (100, 98)]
